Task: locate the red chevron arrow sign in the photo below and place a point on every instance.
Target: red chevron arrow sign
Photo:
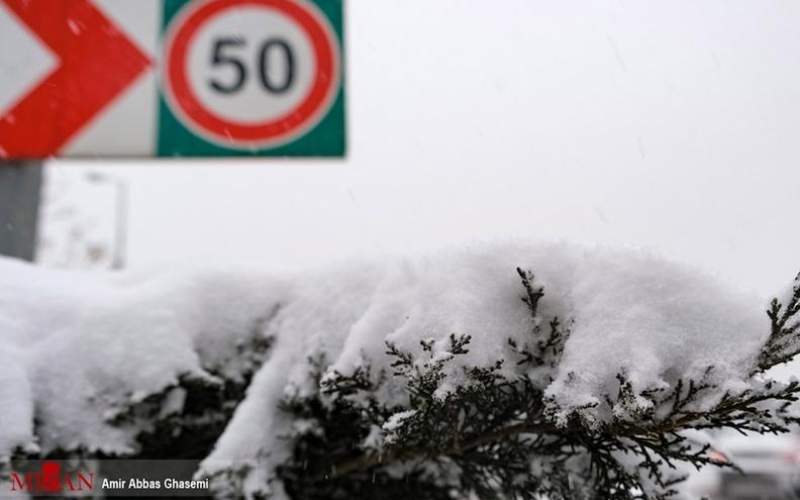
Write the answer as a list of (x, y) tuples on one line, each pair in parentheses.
[(96, 62), (144, 78)]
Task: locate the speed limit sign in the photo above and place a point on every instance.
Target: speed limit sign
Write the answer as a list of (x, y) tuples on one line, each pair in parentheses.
[(172, 78), (250, 74)]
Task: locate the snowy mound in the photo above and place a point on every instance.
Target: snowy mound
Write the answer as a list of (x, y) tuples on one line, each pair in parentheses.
[(77, 348), (81, 348), (632, 313)]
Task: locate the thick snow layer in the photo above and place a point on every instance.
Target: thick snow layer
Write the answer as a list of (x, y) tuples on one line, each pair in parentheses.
[(79, 345), (655, 321), (632, 312)]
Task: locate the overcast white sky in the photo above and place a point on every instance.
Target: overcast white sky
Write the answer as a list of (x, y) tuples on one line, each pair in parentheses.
[(668, 125)]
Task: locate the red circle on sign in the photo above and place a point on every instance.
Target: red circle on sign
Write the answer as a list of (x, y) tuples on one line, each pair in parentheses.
[(274, 131)]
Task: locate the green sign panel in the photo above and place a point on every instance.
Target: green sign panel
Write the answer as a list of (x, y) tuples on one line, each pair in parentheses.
[(252, 78)]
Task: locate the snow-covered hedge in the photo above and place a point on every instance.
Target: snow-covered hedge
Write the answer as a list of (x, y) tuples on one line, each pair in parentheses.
[(591, 341), (80, 352)]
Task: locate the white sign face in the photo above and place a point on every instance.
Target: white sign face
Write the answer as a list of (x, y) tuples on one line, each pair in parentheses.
[(178, 78), (252, 78)]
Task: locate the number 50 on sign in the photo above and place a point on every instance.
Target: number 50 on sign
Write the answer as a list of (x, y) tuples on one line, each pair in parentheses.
[(171, 78)]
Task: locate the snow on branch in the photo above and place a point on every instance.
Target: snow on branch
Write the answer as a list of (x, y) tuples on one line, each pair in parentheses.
[(128, 365), (784, 338), (497, 435), (457, 374)]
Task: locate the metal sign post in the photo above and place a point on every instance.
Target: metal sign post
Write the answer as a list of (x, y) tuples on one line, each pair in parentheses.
[(20, 183)]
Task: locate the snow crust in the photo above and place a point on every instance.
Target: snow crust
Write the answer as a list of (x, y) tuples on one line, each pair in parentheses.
[(80, 347), (74, 346), (633, 312)]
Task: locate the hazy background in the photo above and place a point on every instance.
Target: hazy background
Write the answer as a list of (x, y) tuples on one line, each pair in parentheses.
[(667, 125)]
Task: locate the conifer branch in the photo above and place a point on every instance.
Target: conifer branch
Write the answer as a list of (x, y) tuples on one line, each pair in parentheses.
[(783, 342), (493, 427)]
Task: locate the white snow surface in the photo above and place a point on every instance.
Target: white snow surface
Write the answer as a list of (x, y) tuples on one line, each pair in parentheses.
[(79, 347), (632, 312), (76, 344)]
